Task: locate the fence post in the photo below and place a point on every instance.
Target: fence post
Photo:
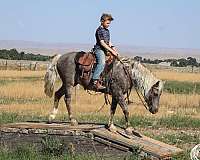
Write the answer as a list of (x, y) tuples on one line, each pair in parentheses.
[(6, 67), (35, 66), (30, 66), (20, 66)]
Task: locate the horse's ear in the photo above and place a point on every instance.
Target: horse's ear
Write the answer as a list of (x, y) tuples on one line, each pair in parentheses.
[(164, 82), (132, 63), (157, 84), (51, 57)]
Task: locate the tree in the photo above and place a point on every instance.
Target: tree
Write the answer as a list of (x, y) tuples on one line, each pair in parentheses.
[(174, 63), (182, 62), (13, 54), (138, 58), (192, 61)]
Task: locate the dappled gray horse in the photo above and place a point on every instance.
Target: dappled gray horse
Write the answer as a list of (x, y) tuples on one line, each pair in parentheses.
[(143, 80)]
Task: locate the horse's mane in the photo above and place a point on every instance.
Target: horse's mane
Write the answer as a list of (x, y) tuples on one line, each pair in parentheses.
[(143, 78)]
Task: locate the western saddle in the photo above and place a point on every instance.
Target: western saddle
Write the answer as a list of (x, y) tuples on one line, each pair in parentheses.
[(85, 64)]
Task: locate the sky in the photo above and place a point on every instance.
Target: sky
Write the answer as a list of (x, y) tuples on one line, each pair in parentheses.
[(151, 23)]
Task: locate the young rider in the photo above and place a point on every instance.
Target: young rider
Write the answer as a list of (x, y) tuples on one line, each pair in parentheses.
[(103, 45)]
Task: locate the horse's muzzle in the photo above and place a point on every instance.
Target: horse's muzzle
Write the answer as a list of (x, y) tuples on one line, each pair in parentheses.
[(152, 110)]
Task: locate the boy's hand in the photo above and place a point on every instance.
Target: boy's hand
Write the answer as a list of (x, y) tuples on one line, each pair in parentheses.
[(115, 50), (115, 53)]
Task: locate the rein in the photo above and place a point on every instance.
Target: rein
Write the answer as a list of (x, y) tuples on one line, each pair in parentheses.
[(141, 97), (143, 102)]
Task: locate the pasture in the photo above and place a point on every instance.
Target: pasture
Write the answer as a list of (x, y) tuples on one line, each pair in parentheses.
[(177, 122)]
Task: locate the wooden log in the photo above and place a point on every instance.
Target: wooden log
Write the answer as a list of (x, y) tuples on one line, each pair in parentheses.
[(148, 145), (90, 136)]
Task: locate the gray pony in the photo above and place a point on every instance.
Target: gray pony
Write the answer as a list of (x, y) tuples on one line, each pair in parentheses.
[(143, 80)]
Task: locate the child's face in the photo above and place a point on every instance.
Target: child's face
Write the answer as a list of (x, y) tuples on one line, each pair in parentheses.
[(106, 23)]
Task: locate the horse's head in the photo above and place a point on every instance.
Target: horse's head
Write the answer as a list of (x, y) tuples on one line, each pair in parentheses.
[(151, 92), (152, 98)]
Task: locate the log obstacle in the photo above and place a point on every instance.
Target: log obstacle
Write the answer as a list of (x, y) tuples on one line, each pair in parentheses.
[(86, 138)]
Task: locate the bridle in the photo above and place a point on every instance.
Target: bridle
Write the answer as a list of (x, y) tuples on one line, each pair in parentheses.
[(141, 97)]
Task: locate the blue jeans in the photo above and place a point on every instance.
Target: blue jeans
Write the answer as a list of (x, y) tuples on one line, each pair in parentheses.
[(100, 58)]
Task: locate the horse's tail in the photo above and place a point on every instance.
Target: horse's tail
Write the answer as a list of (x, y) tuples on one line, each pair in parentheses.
[(50, 76)]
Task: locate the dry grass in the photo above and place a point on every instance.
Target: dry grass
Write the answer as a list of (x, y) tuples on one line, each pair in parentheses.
[(162, 74), (18, 74), (22, 89), (177, 76), (85, 103)]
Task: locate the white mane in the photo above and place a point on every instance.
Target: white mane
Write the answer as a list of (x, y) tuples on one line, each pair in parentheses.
[(144, 78)]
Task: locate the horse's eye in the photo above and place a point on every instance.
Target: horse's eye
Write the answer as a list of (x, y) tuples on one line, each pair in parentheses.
[(155, 94)]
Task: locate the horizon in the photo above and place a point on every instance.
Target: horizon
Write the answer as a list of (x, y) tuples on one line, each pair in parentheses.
[(51, 48), (82, 43), (171, 24)]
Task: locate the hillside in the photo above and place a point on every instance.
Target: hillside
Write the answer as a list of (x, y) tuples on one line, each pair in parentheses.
[(52, 48)]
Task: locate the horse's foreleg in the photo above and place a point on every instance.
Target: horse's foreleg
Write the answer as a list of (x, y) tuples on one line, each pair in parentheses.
[(68, 105), (124, 107), (113, 107), (58, 94)]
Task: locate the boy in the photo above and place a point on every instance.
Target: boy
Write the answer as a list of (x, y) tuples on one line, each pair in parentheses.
[(103, 45)]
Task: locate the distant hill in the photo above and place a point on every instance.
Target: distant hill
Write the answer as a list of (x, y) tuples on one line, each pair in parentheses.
[(52, 48), (42, 48)]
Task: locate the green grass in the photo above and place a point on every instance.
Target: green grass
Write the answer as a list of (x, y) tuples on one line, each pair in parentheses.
[(31, 153), (6, 117), (178, 121), (184, 156), (175, 121), (178, 87), (179, 139)]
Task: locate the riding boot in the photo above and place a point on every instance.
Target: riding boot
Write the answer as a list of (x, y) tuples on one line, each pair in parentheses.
[(98, 86)]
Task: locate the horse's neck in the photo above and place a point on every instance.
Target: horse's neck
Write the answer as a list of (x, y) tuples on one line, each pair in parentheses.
[(143, 78)]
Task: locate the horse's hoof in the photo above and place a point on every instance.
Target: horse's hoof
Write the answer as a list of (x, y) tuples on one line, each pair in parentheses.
[(49, 122), (73, 122), (51, 118), (129, 130), (112, 128)]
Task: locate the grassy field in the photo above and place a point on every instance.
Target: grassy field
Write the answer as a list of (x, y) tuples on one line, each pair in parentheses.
[(177, 76), (22, 99)]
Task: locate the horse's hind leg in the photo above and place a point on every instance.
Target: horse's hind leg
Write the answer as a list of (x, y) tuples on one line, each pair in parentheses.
[(68, 105), (58, 94), (113, 107)]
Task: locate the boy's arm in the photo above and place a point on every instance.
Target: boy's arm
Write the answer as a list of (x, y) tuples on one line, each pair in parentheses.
[(111, 46), (108, 48), (101, 37)]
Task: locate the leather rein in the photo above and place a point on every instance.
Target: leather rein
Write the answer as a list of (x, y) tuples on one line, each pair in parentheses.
[(141, 97)]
